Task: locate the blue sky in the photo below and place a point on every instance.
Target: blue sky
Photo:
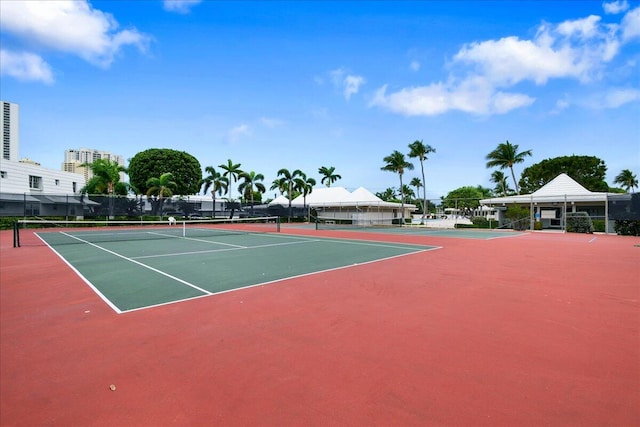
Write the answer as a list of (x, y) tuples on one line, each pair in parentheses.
[(300, 85)]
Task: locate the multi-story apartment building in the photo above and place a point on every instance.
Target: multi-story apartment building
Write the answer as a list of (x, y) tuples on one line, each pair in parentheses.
[(74, 159), (9, 125), (25, 186)]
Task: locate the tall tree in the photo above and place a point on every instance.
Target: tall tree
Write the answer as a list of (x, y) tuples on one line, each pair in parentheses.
[(626, 179), (304, 185), (328, 175), (421, 150), (279, 184), (289, 181), (251, 182), (415, 182), (505, 156), (387, 195), (161, 187), (500, 180), (186, 170), (396, 163), (231, 171), (105, 179), (588, 171), (216, 182)]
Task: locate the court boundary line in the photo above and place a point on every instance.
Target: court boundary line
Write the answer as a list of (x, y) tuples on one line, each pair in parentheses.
[(177, 279), (84, 279), (415, 249), (301, 240), (269, 282)]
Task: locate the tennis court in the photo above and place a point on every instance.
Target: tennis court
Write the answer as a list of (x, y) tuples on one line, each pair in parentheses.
[(353, 329), (140, 266)]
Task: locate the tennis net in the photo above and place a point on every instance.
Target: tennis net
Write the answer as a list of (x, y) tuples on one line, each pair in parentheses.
[(30, 232), (348, 224)]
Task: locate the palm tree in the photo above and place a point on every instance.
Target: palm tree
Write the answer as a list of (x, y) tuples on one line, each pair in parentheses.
[(232, 171), (106, 178), (251, 180), (305, 186), (279, 184), (505, 156), (161, 187), (328, 175), (627, 179), (217, 183), (387, 195), (420, 150), (288, 182), (407, 192), (499, 178), (415, 182), (395, 162)]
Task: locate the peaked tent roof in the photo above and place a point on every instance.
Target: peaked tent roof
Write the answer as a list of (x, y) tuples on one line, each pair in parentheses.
[(340, 196), (561, 185), (559, 189), (361, 194), (280, 200)]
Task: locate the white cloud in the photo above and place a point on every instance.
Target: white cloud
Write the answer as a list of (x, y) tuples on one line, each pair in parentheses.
[(483, 73), (630, 25), (438, 98), (352, 85), (25, 66), (234, 134), (271, 123), (348, 83), (618, 97), (179, 6), (415, 66), (615, 7), (71, 26)]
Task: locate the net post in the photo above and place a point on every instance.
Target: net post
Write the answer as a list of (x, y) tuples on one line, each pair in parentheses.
[(184, 228), (16, 235), (278, 224)]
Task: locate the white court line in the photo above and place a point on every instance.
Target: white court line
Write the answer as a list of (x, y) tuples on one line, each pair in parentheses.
[(300, 240), (84, 279), (199, 240), (288, 278), (177, 279), (221, 250)]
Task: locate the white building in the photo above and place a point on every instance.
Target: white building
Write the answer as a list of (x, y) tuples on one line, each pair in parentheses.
[(26, 188)]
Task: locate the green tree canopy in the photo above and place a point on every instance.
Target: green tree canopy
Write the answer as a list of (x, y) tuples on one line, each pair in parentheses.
[(588, 171), (504, 156), (105, 179), (328, 175), (154, 162), (627, 179), (464, 198), (396, 162)]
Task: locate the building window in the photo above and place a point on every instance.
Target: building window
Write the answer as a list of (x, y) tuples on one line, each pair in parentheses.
[(35, 182), (3, 174), (57, 182), (74, 187)]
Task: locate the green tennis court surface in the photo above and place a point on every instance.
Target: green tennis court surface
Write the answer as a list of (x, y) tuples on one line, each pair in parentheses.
[(135, 274)]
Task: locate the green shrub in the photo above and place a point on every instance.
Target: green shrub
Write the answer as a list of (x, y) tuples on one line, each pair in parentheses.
[(480, 222), (627, 227), (579, 222), (519, 216), (599, 225)]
